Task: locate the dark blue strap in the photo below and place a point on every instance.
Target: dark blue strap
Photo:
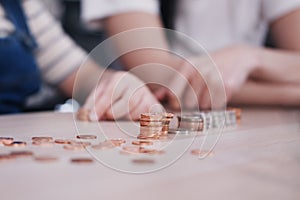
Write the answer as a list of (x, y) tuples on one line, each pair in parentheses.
[(15, 13)]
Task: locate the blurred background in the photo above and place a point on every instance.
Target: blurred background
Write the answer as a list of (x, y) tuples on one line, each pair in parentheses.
[(68, 12)]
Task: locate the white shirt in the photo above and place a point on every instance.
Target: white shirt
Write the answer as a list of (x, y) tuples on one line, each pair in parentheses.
[(213, 23)]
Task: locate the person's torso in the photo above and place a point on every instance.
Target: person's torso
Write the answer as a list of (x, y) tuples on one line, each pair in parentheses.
[(219, 23), (19, 74)]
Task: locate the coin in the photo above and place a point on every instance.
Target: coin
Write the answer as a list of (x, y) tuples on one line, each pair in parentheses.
[(150, 116), (18, 154), (142, 143), (117, 142), (131, 149), (16, 144), (63, 141), (42, 138), (103, 145), (6, 140), (82, 160), (152, 136), (143, 161), (179, 131), (45, 158), (73, 147), (150, 151), (151, 123), (42, 143), (86, 137), (84, 144), (5, 157), (201, 153)]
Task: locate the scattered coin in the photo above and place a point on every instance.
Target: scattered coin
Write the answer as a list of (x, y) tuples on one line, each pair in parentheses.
[(86, 137), (143, 161), (73, 147), (45, 158), (151, 151), (63, 141), (142, 142), (42, 143), (16, 144), (42, 138), (6, 140), (82, 160), (5, 157), (131, 150), (104, 145), (84, 144), (201, 153), (18, 154), (117, 142)]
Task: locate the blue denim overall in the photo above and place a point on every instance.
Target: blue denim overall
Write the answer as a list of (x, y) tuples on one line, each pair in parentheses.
[(19, 74)]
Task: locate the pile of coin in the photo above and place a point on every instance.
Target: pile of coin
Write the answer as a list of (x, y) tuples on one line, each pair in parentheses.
[(237, 112), (204, 121), (191, 122), (154, 126)]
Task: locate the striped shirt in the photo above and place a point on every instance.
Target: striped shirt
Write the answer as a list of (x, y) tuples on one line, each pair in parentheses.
[(57, 55)]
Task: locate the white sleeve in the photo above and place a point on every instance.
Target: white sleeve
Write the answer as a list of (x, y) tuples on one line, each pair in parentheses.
[(99, 9), (274, 9)]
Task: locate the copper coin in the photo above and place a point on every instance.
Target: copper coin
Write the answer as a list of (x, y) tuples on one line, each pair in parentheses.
[(18, 154), (6, 140), (143, 161), (42, 139), (45, 158), (117, 142), (63, 141), (86, 137), (142, 143), (148, 151), (151, 124), (5, 157), (201, 153), (104, 145), (150, 116), (84, 144), (131, 149), (73, 147), (42, 143), (82, 160), (17, 144), (168, 115)]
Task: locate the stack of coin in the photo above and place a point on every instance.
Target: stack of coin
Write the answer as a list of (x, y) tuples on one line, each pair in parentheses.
[(190, 122), (207, 120), (231, 118), (152, 126), (238, 114), (217, 119)]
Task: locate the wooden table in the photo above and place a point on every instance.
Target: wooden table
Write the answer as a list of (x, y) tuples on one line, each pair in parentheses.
[(260, 159)]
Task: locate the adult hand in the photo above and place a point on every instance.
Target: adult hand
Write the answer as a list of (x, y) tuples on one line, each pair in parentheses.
[(119, 95), (203, 78)]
